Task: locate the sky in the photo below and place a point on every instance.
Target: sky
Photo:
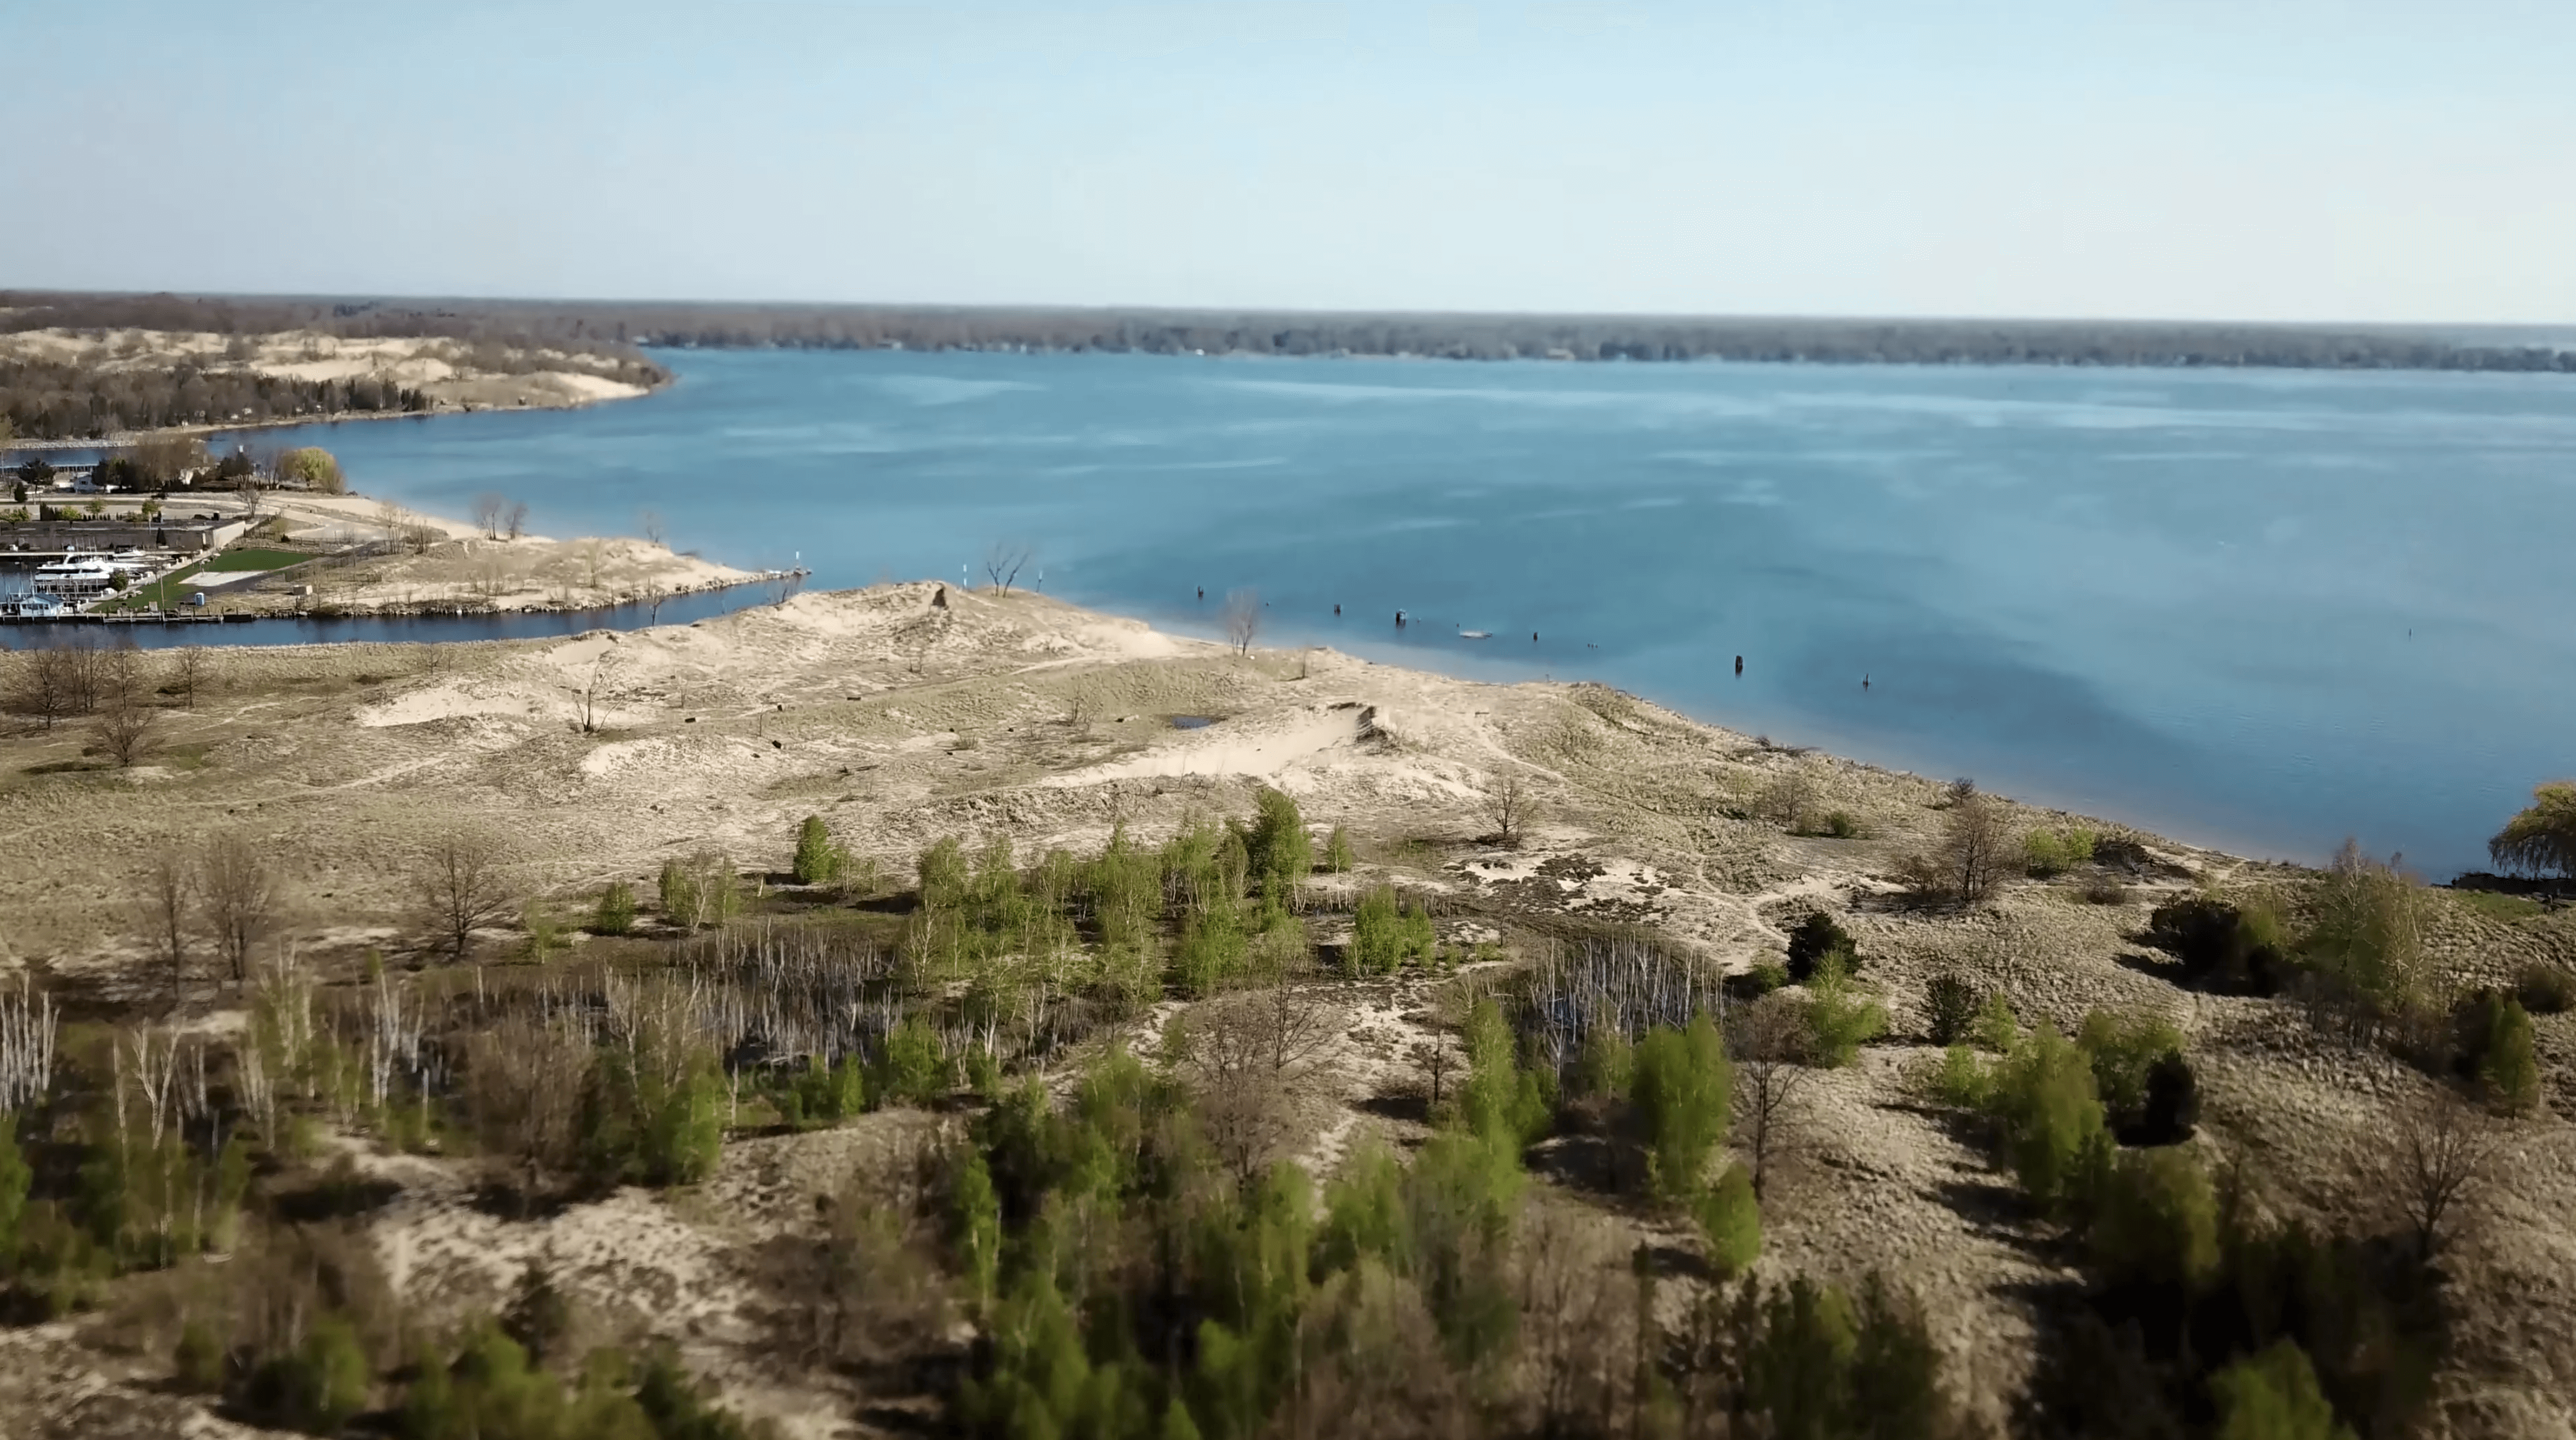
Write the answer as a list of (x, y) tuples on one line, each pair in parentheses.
[(2316, 160)]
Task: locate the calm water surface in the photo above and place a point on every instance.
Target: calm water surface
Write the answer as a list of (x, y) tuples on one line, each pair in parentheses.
[(2258, 610)]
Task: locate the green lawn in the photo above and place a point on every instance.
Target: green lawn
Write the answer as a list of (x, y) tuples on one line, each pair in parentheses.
[(253, 558), (171, 592), (2498, 906)]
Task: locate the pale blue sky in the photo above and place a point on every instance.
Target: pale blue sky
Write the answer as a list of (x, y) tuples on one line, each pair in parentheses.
[(2275, 159)]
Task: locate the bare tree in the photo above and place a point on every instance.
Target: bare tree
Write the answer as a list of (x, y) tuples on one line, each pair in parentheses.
[(1295, 1019), (880, 1295), (1433, 1060), (463, 882), (1242, 619), (1575, 1299), (192, 671), (124, 726), (917, 637), (1768, 1040), (163, 909), (239, 893), (85, 674), (515, 521), (1511, 805), (487, 512), (1003, 563), (586, 695), (41, 685), (1261, 1034), (655, 532), (1249, 1045), (494, 575), (653, 595), (165, 458), (1974, 843), (1790, 797), (1080, 710), (1247, 1121), (523, 1089), (2439, 1151)]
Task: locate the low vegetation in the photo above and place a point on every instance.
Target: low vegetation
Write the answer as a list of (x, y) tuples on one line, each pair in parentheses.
[(1212, 1107)]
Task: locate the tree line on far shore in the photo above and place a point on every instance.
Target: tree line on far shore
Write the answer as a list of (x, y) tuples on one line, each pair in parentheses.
[(1536, 337), (614, 328), (55, 398)]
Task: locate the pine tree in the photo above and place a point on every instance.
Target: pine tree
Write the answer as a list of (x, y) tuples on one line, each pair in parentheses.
[(2509, 1069), (814, 853)]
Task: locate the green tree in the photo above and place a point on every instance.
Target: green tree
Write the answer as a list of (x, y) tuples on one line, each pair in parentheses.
[(319, 1386), (1896, 1369), (1365, 1215), (1211, 950), (1997, 1027), (914, 1067), (1501, 1101), (814, 864), (313, 467), (1799, 1368), (654, 1117), (1730, 1220), (2156, 1221), (1337, 852), (1814, 938), (2274, 1396), (2053, 1129), (976, 1225), (1417, 939), (1460, 1196), (1276, 847), (1818, 1366), (2365, 948), (15, 1178), (2542, 839), (1607, 1065), (616, 912), (1950, 1006), (1377, 934), (199, 1359), (1679, 1093), (683, 902), (719, 888), (825, 1092), (946, 878), (1840, 1019), (2124, 1048), (2508, 1067)]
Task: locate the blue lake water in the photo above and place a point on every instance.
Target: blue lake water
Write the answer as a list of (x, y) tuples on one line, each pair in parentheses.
[(2262, 610)]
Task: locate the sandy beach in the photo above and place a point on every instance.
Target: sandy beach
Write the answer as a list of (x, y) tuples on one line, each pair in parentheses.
[(906, 713)]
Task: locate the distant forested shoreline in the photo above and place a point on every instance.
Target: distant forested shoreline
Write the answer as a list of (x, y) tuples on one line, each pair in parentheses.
[(138, 385), (617, 328)]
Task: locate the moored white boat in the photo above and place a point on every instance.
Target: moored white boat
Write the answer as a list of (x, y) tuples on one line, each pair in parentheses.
[(74, 575)]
